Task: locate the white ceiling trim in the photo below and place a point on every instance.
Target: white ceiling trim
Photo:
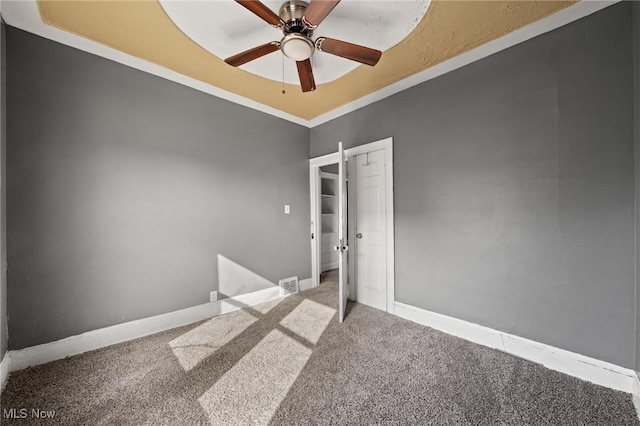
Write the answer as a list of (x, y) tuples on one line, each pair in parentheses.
[(24, 14)]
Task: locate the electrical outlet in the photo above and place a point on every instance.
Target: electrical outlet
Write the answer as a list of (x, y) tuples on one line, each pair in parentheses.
[(213, 296), (287, 209)]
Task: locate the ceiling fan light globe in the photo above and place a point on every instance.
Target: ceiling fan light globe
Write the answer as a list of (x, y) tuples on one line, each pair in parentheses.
[(298, 48)]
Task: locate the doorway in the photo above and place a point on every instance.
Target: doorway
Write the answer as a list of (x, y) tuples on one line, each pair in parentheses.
[(328, 232), (369, 242)]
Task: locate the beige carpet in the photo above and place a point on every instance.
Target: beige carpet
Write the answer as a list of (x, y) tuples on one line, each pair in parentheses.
[(289, 362)]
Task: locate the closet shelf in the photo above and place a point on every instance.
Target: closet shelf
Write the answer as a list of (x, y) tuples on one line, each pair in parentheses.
[(329, 220)]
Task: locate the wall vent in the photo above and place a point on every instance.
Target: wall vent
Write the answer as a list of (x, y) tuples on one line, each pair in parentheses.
[(289, 286)]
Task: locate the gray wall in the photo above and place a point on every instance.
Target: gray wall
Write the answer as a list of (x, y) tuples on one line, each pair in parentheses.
[(636, 57), (123, 188), (514, 187), (3, 241)]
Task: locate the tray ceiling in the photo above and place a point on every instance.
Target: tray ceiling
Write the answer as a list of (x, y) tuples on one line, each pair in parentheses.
[(191, 39)]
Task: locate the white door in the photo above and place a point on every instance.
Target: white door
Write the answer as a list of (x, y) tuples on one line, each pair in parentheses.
[(370, 229), (342, 234)]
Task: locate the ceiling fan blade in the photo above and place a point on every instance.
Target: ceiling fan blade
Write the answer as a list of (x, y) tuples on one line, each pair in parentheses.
[(262, 11), (355, 52), (318, 10), (305, 72), (251, 54)]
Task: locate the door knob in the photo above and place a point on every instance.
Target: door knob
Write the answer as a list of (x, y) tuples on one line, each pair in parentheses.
[(359, 235)]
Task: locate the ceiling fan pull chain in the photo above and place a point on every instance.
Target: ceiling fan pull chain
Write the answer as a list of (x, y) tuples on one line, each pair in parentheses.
[(283, 92)]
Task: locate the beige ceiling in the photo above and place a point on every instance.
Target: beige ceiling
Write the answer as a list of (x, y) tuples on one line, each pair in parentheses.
[(142, 29)]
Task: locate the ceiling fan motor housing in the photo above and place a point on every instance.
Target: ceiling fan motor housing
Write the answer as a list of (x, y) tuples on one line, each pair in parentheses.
[(296, 43), (291, 13)]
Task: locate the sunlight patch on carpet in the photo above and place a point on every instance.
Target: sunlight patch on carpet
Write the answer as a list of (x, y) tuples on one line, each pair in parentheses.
[(309, 320), (201, 342), (251, 391)]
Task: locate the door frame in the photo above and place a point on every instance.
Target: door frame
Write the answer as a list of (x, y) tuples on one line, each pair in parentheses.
[(314, 186)]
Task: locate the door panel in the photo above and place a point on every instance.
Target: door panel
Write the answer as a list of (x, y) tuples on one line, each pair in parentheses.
[(342, 235), (370, 241)]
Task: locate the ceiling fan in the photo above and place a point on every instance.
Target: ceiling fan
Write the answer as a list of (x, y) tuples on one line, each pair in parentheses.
[(298, 19)]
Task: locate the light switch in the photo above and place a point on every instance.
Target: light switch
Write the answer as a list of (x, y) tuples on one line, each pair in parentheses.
[(287, 210)]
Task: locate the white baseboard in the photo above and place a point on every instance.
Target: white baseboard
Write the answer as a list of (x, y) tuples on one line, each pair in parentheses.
[(95, 339), (305, 284), (636, 393), (329, 266), (580, 366), (4, 370)]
